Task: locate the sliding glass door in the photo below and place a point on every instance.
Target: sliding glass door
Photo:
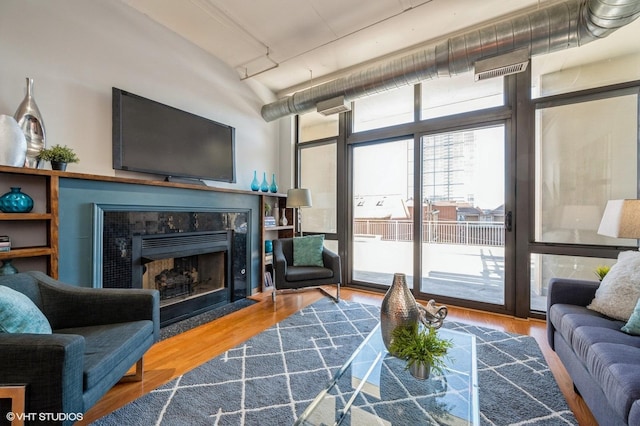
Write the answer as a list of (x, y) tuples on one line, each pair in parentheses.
[(463, 214), (382, 212)]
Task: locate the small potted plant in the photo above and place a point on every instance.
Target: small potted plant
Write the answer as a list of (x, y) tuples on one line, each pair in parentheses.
[(59, 156), (421, 348), (601, 272)]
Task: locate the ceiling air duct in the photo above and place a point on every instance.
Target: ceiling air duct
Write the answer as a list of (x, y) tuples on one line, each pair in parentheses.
[(559, 26), (333, 106), (498, 66)]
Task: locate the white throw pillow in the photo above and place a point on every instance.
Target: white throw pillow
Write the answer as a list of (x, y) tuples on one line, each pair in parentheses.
[(620, 288)]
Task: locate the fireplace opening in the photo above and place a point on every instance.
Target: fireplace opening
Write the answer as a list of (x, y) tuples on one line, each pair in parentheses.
[(182, 278), (191, 271)]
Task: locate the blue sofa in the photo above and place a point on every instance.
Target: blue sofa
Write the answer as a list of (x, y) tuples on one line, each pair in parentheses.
[(603, 361), (98, 335)]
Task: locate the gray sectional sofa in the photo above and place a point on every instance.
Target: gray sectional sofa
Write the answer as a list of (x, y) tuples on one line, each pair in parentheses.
[(98, 335), (603, 361)]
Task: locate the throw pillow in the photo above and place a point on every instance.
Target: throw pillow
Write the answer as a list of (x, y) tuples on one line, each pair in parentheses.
[(633, 325), (18, 314), (620, 288), (307, 251)]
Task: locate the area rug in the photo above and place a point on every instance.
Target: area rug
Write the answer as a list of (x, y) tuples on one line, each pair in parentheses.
[(271, 378), (195, 321)]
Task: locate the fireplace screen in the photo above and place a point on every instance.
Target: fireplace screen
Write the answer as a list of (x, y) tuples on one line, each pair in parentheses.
[(180, 278)]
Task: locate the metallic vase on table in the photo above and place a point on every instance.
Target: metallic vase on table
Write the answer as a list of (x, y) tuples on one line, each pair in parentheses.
[(400, 309)]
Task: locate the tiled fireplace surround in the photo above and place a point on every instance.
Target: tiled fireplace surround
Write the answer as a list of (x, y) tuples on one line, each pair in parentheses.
[(216, 237)]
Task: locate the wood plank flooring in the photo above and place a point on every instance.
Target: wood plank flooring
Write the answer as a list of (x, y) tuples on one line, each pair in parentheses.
[(172, 357)]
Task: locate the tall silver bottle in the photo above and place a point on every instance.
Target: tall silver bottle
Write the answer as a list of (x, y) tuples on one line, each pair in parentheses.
[(30, 121), (398, 309)]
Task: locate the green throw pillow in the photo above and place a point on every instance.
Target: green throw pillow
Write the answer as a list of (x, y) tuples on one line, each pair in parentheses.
[(18, 314), (307, 251), (633, 325)]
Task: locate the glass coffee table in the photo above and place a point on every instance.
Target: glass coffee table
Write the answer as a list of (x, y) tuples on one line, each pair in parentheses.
[(374, 388)]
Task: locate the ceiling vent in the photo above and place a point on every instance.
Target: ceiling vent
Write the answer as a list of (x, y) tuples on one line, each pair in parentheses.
[(497, 66), (333, 106)]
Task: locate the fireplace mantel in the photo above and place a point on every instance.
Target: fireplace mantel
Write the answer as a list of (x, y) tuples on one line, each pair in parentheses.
[(68, 241)]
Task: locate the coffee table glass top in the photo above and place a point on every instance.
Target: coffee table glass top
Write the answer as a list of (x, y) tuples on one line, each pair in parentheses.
[(374, 388)]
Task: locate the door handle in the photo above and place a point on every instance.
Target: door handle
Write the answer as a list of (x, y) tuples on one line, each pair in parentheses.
[(508, 222)]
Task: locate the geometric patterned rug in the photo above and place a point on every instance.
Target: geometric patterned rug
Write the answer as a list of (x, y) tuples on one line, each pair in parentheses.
[(271, 378)]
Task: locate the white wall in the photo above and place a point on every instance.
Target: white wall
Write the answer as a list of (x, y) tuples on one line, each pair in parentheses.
[(77, 50)]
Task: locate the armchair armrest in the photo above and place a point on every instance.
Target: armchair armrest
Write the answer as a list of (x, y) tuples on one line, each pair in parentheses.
[(332, 261), (51, 367), (280, 264), (66, 306)]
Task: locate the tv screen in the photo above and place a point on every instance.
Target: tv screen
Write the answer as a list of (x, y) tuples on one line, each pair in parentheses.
[(151, 137)]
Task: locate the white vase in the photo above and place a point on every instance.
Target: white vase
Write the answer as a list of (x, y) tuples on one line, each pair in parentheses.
[(13, 144), (30, 121)]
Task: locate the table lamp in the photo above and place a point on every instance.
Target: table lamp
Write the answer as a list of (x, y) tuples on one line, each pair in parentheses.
[(621, 219), (297, 198)]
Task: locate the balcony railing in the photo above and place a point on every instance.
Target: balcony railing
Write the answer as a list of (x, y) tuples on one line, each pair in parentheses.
[(466, 233)]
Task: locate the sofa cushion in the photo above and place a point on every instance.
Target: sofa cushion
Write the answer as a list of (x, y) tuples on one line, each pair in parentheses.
[(620, 288), (617, 368), (107, 345), (307, 251), (307, 273), (567, 318), (18, 314)]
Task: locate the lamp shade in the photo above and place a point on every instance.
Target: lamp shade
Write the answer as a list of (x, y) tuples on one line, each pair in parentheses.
[(621, 219), (298, 197)]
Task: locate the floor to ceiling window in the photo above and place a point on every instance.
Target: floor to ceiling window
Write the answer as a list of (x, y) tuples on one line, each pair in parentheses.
[(436, 181), (585, 153), (317, 157)]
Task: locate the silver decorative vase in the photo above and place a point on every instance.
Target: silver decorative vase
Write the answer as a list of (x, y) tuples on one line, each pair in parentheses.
[(13, 144), (398, 309), (30, 121)]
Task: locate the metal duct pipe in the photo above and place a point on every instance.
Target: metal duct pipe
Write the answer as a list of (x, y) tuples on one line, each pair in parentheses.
[(557, 27)]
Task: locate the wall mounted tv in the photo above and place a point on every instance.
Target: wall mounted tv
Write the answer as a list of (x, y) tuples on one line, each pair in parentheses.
[(150, 137)]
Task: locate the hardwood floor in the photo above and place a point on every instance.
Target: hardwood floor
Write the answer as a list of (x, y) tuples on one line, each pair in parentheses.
[(172, 357)]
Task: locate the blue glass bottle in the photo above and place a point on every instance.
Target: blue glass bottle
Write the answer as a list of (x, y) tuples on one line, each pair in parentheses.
[(274, 184), (255, 185), (265, 185)]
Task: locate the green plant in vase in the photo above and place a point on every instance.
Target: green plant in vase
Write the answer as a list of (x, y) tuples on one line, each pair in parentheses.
[(59, 156), (421, 347)]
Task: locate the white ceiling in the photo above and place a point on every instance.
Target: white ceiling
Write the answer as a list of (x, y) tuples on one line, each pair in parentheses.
[(284, 44)]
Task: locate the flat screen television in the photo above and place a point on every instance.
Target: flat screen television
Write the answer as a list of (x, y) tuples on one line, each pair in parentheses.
[(151, 137)]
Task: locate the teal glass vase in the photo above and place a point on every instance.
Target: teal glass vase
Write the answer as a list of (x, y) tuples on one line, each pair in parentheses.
[(274, 185), (265, 185), (16, 201), (7, 268), (255, 185)]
